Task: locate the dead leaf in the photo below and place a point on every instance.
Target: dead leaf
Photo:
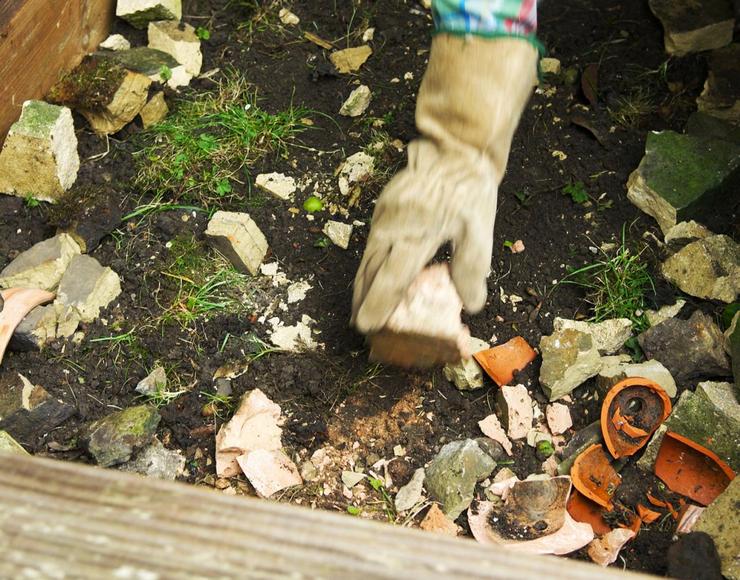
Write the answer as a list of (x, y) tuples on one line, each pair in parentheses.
[(590, 84), (350, 59)]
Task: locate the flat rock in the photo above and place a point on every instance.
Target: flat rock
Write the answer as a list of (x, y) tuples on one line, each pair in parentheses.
[(339, 233), (157, 461), (558, 418), (10, 445), (116, 437), (616, 370), (127, 102), (550, 66), (692, 26), (352, 478), (269, 471), (350, 59), (87, 287), (276, 184), (721, 95), (115, 42), (178, 40), (708, 268), (686, 231), (28, 411), (655, 317), (39, 157), (139, 13), (569, 358), (357, 102), (43, 325), (686, 176), (491, 427), (410, 494), (689, 349), (608, 336), (467, 374), (438, 523), (515, 406), (724, 530), (355, 170), (155, 382), (238, 238), (42, 265), (154, 111), (144, 60), (452, 475)]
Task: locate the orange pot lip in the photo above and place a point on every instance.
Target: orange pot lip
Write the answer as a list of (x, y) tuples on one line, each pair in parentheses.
[(618, 388), (727, 470), (575, 476)]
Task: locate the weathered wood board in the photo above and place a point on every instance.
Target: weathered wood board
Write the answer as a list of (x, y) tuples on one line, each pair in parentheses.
[(39, 41), (67, 520)]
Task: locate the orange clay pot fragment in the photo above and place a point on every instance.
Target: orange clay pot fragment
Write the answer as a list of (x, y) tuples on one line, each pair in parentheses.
[(632, 410), (501, 362), (647, 515), (594, 476), (582, 509), (691, 470)]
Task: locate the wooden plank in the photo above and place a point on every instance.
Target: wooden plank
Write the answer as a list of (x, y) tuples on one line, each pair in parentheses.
[(39, 41), (59, 518)]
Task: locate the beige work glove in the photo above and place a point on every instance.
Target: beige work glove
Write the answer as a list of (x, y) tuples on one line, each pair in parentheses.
[(468, 107)]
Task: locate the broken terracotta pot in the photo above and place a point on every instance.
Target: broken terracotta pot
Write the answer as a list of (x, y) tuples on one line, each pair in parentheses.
[(533, 519), (632, 410), (501, 362), (589, 512), (691, 470), (604, 550), (15, 304), (646, 514), (594, 476)]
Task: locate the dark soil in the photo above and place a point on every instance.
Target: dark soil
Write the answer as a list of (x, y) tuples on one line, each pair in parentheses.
[(333, 397)]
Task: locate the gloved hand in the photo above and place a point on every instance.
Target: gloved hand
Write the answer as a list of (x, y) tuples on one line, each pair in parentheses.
[(468, 107)]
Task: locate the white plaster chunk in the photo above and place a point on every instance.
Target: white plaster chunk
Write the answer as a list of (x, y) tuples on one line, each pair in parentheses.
[(237, 237), (269, 471), (357, 102), (115, 42), (355, 169), (294, 338), (277, 184), (178, 40), (491, 427), (339, 233)]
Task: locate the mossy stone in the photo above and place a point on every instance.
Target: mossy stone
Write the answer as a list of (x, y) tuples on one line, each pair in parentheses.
[(114, 438)]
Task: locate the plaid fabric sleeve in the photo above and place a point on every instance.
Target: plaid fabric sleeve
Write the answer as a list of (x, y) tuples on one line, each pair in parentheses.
[(487, 18)]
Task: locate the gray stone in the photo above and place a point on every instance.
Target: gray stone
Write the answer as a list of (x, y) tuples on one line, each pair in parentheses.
[(646, 462), (157, 461), (238, 238), (569, 358), (10, 445), (723, 398), (655, 317), (724, 528), (686, 176), (608, 336), (452, 475), (39, 157), (155, 382), (115, 42), (116, 437), (42, 265), (28, 411), (154, 111), (467, 374), (708, 268), (35, 330), (689, 349), (580, 441), (139, 13), (87, 287), (178, 40), (357, 102), (721, 95), (691, 26), (339, 233), (410, 494), (352, 478), (144, 60), (614, 371), (684, 231)]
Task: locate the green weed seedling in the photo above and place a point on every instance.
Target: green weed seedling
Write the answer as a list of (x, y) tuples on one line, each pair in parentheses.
[(577, 192)]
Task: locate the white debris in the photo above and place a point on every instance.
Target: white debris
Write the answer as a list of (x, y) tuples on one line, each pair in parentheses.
[(297, 291), (549, 66), (355, 169), (287, 17), (516, 406), (492, 428), (410, 494), (558, 418), (368, 35), (293, 338), (339, 233), (238, 238), (178, 40), (269, 471), (277, 184), (115, 42), (357, 102)]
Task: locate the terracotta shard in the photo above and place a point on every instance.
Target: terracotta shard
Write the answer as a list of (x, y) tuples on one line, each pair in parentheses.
[(594, 476), (16, 303), (646, 514), (691, 470), (632, 410), (501, 362), (584, 510)]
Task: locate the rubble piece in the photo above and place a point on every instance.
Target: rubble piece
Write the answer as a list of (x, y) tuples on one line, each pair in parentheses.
[(28, 411), (467, 374), (357, 102), (139, 13), (425, 329), (558, 418), (491, 427), (438, 523), (452, 475), (238, 238), (355, 170), (115, 42), (605, 550), (581, 440), (503, 361), (689, 518), (515, 406), (708, 268), (145, 60), (39, 157), (87, 287), (44, 324), (686, 176), (721, 95), (126, 103), (352, 478), (608, 336), (294, 338), (116, 437), (339, 233), (10, 445), (288, 18), (179, 40), (269, 471), (350, 59), (614, 371), (689, 349), (594, 476), (255, 425), (42, 265), (15, 304), (655, 317), (154, 111), (691, 27), (276, 184), (686, 231), (646, 462), (155, 382), (549, 66), (410, 494), (569, 358), (297, 291), (724, 530), (691, 469), (693, 556), (157, 461)]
